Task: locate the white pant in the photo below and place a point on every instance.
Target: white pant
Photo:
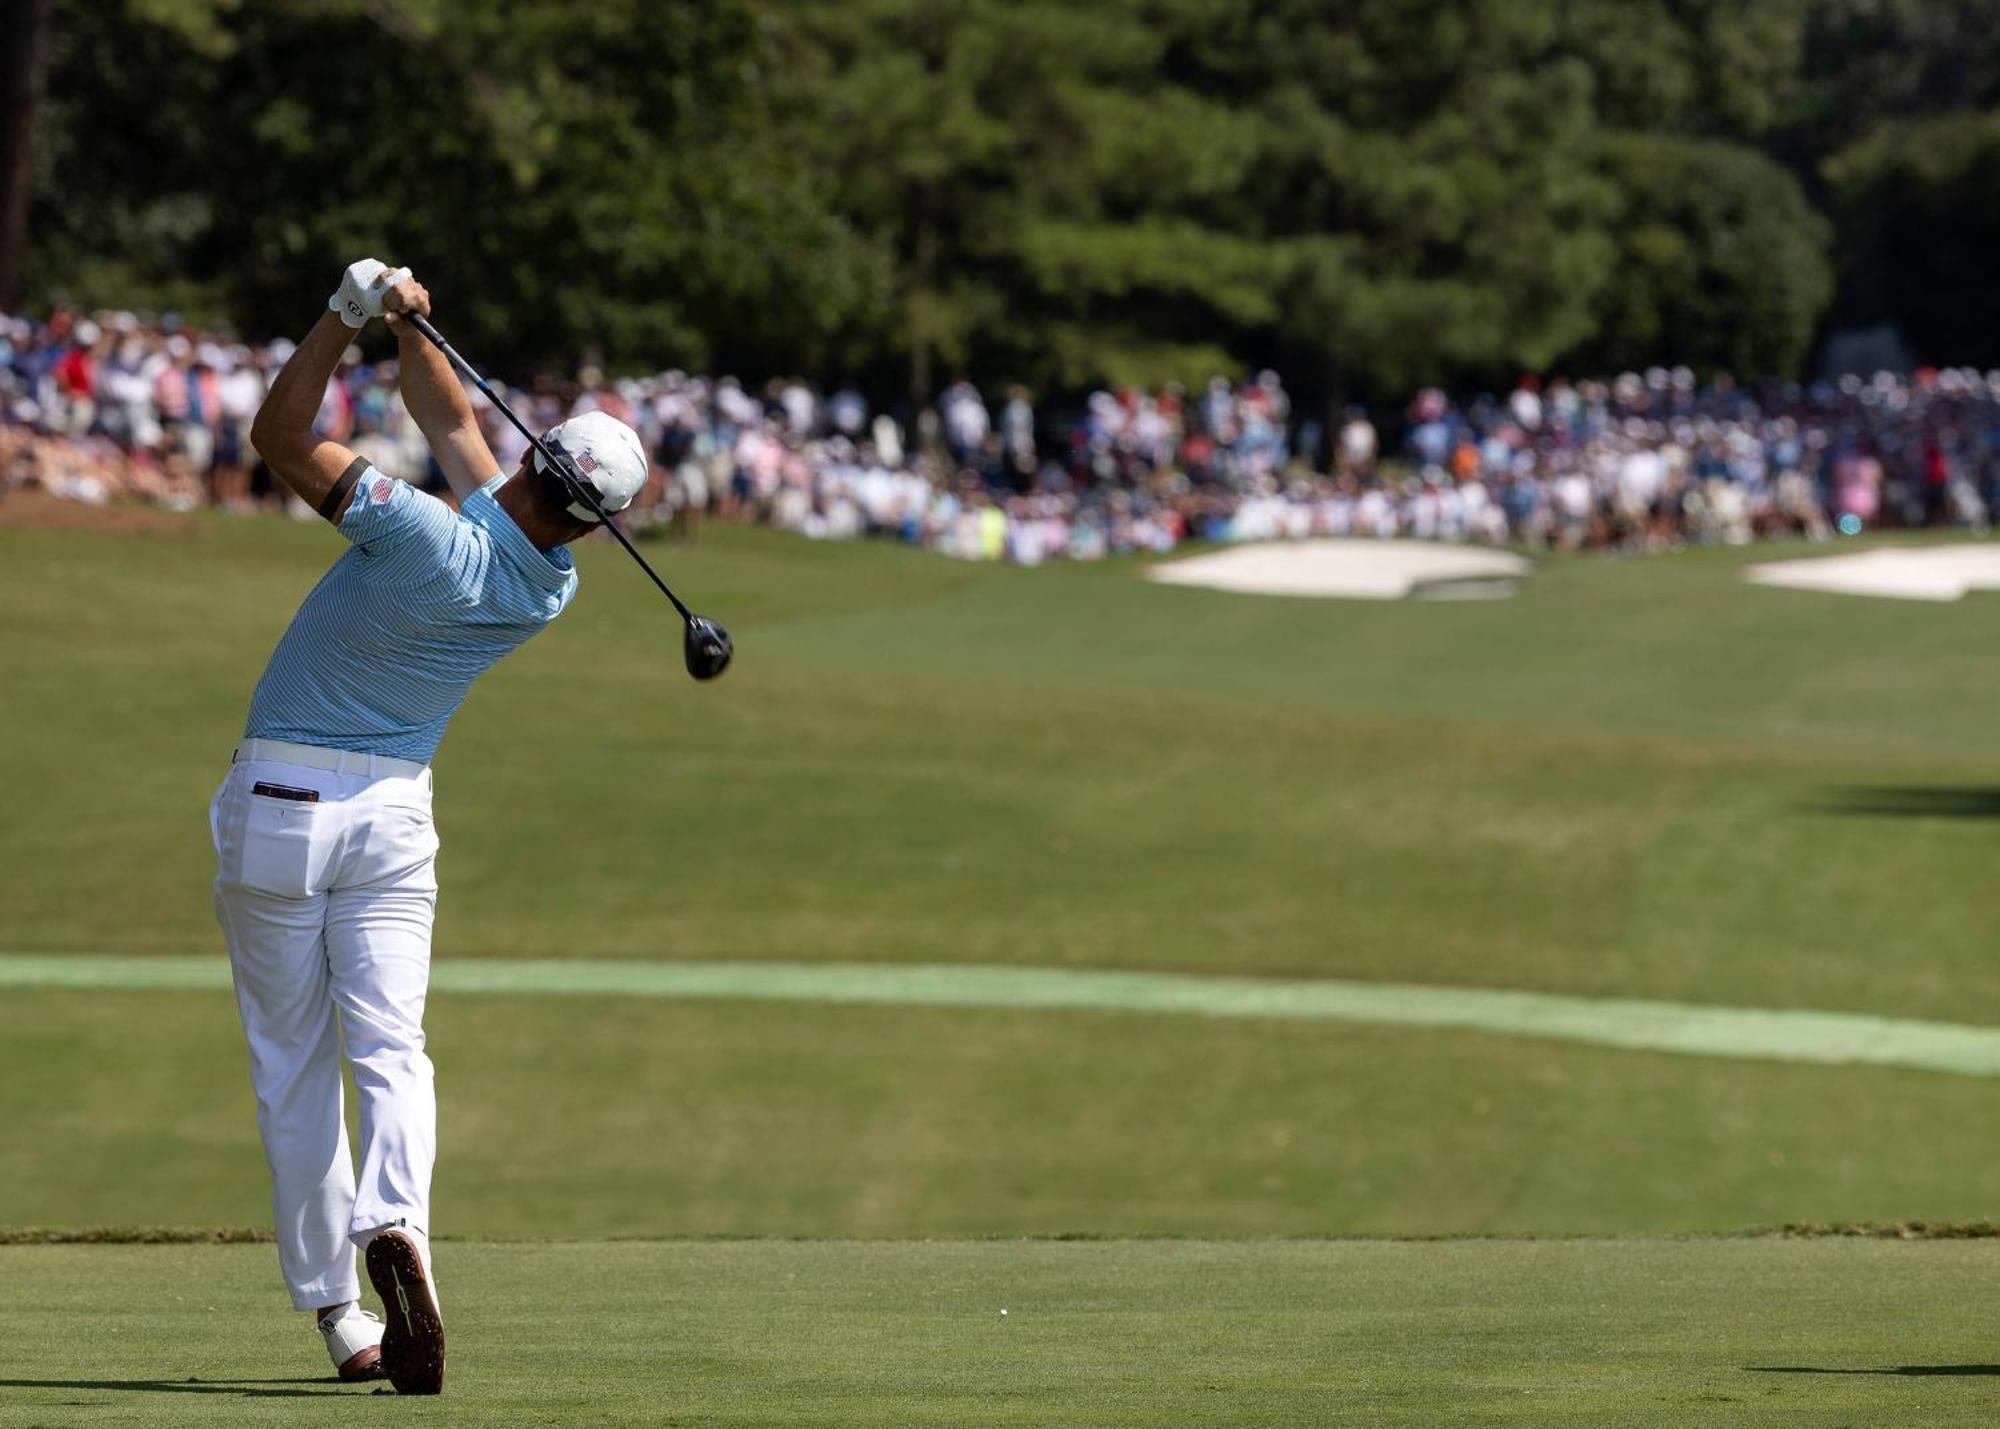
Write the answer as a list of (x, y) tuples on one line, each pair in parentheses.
[(327, 909)]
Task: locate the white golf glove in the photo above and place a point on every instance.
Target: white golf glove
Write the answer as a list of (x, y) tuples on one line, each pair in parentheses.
[(362, 289)]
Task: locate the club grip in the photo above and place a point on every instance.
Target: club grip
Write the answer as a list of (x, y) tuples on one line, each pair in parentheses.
[(423, 325)]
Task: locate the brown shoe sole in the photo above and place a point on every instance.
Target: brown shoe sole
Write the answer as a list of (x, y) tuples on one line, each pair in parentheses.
[(367, 1364), (413, 1331)]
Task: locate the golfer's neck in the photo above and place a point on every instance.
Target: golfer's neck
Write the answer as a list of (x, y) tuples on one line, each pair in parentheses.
[(517, 499)]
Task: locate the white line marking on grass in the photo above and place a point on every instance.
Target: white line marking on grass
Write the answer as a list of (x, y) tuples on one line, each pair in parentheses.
[(1691, 1029)]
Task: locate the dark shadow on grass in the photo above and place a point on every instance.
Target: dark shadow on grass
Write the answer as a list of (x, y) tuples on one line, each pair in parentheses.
[(245, 1388), (1905, 1370), (1911, 802)]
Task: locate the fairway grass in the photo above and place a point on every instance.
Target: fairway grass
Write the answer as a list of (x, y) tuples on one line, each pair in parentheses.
[(1636, 780), (1122, 1333), (595, 1116)]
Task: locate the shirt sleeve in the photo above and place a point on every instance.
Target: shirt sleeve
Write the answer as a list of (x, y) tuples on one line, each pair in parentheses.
[(399, 530)]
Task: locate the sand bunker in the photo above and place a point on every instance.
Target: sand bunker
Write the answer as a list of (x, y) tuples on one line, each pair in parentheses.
[(1353, 570), (1931, 573)]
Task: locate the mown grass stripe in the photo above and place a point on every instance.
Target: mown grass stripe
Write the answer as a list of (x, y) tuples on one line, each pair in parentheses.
[(1691, 1029)]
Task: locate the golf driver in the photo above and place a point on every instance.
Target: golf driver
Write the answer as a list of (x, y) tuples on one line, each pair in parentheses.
[(707, 646)]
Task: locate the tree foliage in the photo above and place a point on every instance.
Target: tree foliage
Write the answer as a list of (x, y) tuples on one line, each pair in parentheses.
[(608, 177), (1722, 262), (1919, 202), (1371, 194)]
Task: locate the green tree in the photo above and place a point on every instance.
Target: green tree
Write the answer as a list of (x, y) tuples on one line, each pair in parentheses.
[(1918, 203), (1427, 169), (1866, 63), (1365, 193), (1371, 194), (1721, 261), (1152, 189), (604, 179), (981, 143)]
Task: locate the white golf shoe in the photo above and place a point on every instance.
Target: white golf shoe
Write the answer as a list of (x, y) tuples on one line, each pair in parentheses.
[(353, 1342)]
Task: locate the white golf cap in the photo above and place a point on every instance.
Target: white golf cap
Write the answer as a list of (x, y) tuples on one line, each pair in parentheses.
[(609, 455)]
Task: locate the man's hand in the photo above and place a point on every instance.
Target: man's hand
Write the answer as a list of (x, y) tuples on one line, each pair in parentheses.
[(362, 288), (406, 295)]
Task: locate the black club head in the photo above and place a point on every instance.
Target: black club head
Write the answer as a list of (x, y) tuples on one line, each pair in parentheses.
[(708, 648)]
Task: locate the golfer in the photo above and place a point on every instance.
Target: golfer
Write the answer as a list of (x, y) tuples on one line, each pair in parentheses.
[(326, 857)]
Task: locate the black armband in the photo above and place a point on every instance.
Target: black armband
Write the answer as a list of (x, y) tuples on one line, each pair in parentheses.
[(341, 487)]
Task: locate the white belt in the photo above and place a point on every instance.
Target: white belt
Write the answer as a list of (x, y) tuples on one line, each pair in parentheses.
[(340, 761)]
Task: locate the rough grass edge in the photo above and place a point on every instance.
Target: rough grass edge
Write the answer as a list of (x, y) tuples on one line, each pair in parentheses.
[(135, 1235), (1881, 1230), (1791, 1230)]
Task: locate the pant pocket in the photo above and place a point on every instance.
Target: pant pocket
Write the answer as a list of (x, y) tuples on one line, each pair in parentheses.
[(402, 848), (283, 847)]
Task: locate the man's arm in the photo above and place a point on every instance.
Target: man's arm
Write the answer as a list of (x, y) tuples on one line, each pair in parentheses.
[(436, 401), (323, 473)]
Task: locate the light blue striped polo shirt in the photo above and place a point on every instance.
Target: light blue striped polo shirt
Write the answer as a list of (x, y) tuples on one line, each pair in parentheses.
[(381, 653)]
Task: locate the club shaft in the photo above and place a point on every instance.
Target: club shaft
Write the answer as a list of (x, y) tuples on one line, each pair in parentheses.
[(423, 325), (633, 552)]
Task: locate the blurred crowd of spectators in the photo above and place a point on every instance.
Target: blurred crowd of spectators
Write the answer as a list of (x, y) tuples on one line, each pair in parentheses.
[(115, 406)]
